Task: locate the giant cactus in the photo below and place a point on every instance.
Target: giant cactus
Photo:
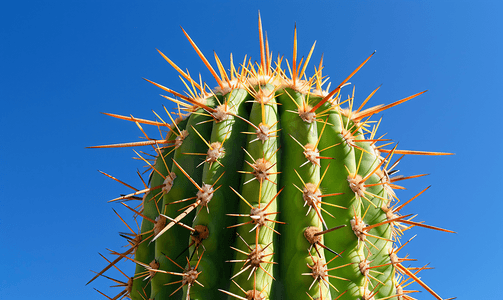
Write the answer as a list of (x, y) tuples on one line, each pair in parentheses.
[(269, 186)]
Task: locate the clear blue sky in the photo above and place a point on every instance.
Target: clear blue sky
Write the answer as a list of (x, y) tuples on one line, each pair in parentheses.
[(64, 62)]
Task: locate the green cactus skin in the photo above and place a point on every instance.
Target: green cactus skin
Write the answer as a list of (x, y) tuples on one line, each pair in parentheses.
[(267, 188)]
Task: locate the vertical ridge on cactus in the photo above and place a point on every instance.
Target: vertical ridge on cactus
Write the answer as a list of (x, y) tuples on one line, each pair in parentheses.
[(269, 186)]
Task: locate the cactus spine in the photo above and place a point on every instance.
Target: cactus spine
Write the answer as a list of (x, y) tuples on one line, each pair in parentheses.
[(268, 187)]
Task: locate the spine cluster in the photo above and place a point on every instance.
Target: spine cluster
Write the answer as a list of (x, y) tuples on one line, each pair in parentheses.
[(268, 187)]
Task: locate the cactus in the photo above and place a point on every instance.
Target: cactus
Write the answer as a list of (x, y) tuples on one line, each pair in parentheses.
[(269, 186)]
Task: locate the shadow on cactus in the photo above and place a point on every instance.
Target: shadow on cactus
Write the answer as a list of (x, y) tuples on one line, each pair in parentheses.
[(269, 186)]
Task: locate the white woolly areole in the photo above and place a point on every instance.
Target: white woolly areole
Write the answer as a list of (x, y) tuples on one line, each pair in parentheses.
[(320, 92), (394, 258), (348, 137), (201, 99), (160, 223), (168, 182), (260, 168), (262, 80), (154, 265), (190, 276), (305, 114), (256, 256), (254, 295), (364, 267), (399, 292), (376, 151), (367, 295), (312, 154), (129, 286), (319, 268), (264, 96), (179, 139), (263, 132), (258, 216), (215, 152), (357, 225), (235, 83), (302, 86), (390, 215), (356, 184), (205, 195), (311, 195), (385, 180), (221, 113)]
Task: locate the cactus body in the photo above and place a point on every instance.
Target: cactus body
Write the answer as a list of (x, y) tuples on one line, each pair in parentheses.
[(268, 187)]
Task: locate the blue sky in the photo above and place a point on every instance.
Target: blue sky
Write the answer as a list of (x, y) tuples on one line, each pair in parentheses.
[(64, 62)]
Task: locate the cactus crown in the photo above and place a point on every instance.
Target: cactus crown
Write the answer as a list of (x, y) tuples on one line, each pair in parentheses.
[(267, 188)]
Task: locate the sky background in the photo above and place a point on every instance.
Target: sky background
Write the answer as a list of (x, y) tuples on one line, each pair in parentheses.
[(64, 62)]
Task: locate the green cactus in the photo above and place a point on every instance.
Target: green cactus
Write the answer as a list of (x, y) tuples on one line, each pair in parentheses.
[(269, 186)]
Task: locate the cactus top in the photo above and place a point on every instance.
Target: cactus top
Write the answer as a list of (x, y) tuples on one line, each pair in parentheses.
[(269, 186)]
